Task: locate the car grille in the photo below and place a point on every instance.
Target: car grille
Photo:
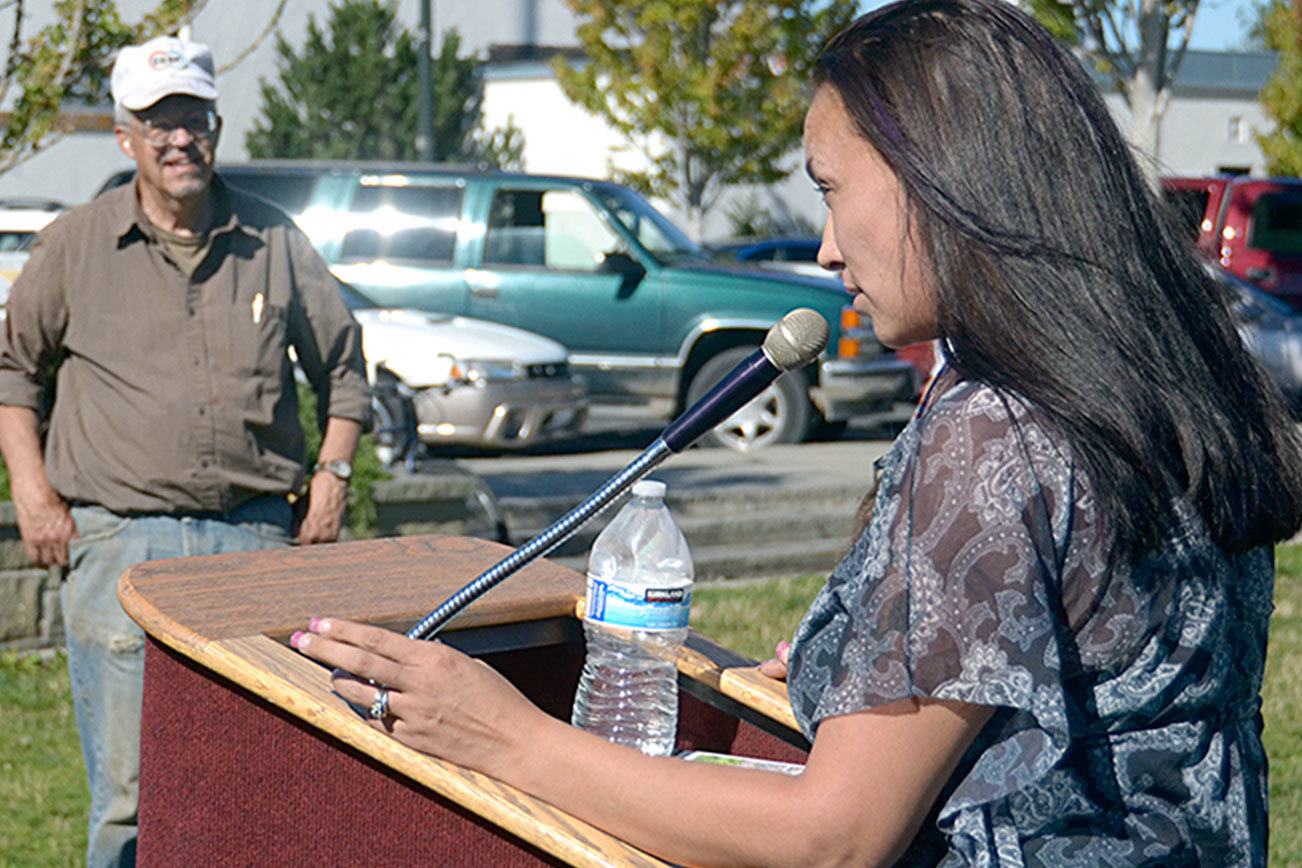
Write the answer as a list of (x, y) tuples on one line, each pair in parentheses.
[(548, 371)]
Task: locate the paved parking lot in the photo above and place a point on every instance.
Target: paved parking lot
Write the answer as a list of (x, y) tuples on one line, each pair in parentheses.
[(578, 467)]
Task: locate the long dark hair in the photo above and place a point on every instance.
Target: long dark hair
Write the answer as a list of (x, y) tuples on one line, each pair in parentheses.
[(1055, 274)]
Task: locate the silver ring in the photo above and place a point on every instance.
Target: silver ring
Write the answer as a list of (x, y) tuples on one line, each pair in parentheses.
[(380, 707)]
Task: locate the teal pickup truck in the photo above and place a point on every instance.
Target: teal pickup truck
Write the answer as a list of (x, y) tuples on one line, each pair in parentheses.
[(649, 320)]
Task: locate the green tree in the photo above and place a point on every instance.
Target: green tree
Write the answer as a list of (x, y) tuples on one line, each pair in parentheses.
[(68, 60), (351, 92), (1138, 44), (711, 92), (1282, 95)]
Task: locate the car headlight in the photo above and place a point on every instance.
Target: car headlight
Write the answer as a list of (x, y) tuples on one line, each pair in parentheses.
[(487, 371)]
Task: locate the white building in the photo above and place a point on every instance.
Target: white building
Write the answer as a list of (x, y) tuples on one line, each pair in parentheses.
[(1208, 126)]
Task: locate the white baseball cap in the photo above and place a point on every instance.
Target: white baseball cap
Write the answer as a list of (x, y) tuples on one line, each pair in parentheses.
[(163, 66)]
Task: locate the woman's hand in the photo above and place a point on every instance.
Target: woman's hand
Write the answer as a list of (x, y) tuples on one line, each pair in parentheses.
[(441, 702), (776, 667)]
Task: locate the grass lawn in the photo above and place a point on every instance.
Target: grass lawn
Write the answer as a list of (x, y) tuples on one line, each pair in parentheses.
[(43, 787), (42, 782)]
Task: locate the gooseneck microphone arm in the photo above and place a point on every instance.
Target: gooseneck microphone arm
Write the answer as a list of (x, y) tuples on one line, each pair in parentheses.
[(561, 530), (794, 342)]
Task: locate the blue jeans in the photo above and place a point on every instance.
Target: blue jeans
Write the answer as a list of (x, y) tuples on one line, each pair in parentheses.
[(106, 648)]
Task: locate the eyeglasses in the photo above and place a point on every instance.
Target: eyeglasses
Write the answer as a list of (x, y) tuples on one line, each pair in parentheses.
[(158, 131)]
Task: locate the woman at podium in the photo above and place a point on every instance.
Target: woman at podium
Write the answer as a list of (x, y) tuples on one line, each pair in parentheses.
[(1047, 642)]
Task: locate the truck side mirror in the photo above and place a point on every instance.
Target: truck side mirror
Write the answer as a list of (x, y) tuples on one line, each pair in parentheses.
[(628, 268)]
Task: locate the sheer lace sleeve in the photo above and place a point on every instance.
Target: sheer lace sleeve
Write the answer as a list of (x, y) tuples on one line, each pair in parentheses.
[(954, 589)]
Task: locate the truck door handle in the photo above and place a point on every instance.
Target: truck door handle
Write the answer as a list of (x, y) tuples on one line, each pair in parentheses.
[(482, 284)]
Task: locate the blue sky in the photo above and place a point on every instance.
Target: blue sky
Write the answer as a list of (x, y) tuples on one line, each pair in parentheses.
[(1218, 26)]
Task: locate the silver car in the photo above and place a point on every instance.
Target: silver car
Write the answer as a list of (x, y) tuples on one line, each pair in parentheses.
[(470, 382), (1271, 331)]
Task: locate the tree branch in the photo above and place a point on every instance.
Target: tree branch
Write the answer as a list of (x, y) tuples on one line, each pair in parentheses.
[(1117, 63), (1185, 35), (272, 24), (15, 47)]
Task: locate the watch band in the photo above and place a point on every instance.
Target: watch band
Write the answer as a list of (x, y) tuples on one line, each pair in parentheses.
[(339, 467)]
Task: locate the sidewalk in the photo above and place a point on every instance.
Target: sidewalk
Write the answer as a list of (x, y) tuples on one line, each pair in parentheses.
[(795, 467)]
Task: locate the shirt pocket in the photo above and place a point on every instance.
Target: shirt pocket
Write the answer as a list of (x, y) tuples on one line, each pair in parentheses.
[(269, 353)]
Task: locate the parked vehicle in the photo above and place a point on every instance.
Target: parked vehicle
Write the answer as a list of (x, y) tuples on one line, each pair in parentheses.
[(799, 255), (467, 381), (1272, 332), (649, 320), (20, 220), (1251, 227)]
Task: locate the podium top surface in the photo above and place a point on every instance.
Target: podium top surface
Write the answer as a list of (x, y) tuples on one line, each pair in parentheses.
[(391, 582)]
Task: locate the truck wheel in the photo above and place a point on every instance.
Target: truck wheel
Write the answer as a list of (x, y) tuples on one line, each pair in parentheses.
[(780, 414)]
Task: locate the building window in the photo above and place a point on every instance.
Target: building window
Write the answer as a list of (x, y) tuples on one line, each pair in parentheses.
[(1237, 131)]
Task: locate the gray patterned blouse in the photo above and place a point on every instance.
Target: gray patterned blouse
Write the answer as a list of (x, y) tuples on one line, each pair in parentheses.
[(1127, 727)]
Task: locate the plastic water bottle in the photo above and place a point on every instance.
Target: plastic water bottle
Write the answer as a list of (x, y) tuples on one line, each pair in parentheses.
[(639, 599)]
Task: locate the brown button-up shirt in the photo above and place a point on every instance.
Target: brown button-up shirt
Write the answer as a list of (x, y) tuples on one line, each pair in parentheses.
[(174, 392)]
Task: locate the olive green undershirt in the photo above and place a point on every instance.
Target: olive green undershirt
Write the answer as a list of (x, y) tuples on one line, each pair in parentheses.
[(187, 251)]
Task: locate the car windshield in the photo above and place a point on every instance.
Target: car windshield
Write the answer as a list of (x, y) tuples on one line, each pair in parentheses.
[(662, 239)]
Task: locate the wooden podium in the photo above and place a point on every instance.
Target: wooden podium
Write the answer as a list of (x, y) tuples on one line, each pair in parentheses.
[(248, 758)]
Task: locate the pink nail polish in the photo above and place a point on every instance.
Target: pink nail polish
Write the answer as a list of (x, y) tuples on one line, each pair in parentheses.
[(313, 623), (293, 640), (783, 647)]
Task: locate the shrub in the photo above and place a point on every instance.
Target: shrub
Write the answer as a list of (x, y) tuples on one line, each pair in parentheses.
[(367, 468)]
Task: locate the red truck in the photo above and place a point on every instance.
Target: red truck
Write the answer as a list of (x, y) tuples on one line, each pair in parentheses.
[(1251, 226)]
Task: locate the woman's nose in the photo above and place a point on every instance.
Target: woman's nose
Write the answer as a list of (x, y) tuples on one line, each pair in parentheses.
[(829, 256)]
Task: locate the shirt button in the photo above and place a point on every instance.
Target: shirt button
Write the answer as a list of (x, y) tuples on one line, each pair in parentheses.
[(202, 410), (203, 462), (196, 361)]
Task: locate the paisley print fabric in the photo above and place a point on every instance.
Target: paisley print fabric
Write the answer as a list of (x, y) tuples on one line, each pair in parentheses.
[(1127, 728)]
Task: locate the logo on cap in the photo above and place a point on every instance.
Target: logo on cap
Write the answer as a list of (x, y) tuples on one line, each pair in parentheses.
[(163, 59)]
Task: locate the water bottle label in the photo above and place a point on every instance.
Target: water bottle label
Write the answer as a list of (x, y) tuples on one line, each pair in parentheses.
[(638, 606)]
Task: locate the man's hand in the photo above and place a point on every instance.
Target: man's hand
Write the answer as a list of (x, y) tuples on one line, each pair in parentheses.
[(327, 496), (45, 523), (44, 520)]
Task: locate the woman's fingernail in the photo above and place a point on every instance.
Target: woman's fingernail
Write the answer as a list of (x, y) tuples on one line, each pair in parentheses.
[(312, 623), (300, 639), (293, 640), (783, 647), (323, 625)]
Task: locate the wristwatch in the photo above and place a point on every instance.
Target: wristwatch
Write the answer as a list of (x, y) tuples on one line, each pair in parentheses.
[(339, 467)]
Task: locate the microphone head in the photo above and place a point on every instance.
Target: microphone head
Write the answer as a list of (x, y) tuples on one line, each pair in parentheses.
[(796, 339)]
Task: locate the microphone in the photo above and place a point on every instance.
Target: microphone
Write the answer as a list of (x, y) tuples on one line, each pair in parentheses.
[(793, 342)]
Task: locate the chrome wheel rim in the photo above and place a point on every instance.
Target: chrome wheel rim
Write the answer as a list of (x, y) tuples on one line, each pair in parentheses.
[(756, 425)]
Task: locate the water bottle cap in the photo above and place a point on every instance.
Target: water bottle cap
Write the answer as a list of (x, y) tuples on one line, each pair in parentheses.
[(649, 488)]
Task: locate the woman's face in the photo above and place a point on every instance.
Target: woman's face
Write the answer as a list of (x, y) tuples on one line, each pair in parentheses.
[(865, 237)]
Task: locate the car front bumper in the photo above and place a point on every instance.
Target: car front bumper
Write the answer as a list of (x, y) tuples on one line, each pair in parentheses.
[(854, 387), (508, 415)]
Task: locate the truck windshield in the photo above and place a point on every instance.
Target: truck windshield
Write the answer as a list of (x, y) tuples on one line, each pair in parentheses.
[(662, 239), (1277, 224)]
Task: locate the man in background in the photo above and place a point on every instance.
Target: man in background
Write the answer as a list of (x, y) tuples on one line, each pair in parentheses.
[(149, 331)]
